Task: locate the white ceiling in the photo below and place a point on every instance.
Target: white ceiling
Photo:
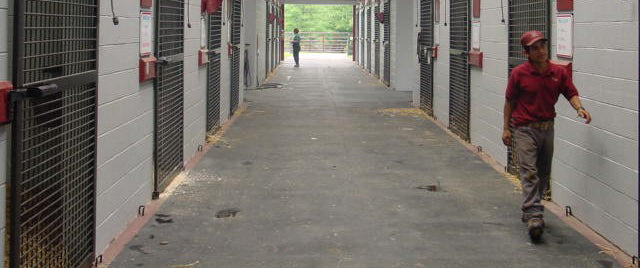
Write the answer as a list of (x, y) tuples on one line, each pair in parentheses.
[(321, 2)]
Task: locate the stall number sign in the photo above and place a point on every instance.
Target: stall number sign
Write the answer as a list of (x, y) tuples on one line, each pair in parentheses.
[(146, 31), (565, 35), (475, 35)]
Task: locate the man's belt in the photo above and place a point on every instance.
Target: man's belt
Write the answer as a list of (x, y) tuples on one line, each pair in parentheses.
[(543, 125)]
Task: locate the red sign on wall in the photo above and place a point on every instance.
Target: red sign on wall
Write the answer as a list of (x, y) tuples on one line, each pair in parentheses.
[(476, 8), (565, 5)]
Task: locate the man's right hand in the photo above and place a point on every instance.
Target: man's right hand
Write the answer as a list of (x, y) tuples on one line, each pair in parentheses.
[(506, 137)]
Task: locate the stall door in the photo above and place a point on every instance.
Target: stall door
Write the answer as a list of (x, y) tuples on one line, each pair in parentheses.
[(236, 24), (369, 39), (169, 93), (459, 92), (53, 162), (376, 41), (387, 42), (268, 34), (524, 15), (213, 71), (363, 23), (425, 46)]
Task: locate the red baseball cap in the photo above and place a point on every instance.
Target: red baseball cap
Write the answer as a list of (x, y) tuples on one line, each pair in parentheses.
[(530, 37)]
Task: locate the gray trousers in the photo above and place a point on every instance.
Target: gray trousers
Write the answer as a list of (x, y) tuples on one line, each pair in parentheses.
[(534, 149)]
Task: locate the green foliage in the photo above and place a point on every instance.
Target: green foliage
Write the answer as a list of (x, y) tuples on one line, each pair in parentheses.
[(318, 18)]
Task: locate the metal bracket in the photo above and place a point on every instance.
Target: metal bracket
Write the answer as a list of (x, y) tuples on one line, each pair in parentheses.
[(19, 94), (567, 211), (141, 210), (98, 260)]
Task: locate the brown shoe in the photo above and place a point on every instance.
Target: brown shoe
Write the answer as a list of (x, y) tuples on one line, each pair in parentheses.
[(536, 228)]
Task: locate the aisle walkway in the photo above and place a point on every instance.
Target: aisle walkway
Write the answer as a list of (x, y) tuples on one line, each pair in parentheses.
[(323, 176)]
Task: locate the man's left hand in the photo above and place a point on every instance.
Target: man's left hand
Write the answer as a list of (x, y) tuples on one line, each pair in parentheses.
[(584, 114)]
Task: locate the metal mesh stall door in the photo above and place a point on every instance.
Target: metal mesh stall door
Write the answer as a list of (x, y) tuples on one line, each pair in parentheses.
[(387, 42), (425, 56), (362, 36), (377, 43), (236, 20), (524, 15), (169, 93), (459, 91), (369, 39), (267, 49), (54, 134), (213, 71)]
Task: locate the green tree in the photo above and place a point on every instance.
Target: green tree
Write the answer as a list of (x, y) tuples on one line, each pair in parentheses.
[(318, 18)]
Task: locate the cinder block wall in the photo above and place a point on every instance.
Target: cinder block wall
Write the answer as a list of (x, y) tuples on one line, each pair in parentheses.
[(195, 84), (261, 52), (403, 40), (488, 83), (595, 168), (125, 124), (6, 20), (441, 67), (225, 65)]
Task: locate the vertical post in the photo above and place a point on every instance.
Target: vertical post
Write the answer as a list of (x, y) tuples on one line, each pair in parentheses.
[(353, 34)]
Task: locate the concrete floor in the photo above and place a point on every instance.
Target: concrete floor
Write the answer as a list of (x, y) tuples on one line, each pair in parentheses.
[(323, 178)]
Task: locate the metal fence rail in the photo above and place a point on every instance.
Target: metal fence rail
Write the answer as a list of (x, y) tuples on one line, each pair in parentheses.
[(321, 42)]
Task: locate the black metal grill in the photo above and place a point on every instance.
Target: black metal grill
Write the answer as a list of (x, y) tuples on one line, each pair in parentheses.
[(267, 50), (377, 43), (54, 134), (459, 92), (524, 15), (213, 70), (362, 36), (424, 50), (387, 42), (169, 98), (369, 39), (236, 20)]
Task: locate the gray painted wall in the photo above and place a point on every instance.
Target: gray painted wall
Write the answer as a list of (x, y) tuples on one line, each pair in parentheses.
[(441, 67), (125, 125), (403, 46)]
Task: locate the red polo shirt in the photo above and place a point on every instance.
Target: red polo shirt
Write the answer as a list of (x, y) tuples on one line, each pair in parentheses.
[(535, 94)]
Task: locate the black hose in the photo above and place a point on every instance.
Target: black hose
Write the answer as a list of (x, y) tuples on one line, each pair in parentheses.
[(502, 10), (247, 69), (113, 13)]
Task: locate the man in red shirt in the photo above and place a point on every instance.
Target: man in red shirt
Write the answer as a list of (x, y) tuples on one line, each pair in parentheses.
[(532, 92)]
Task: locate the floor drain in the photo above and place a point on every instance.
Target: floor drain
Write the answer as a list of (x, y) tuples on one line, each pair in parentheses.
[(430, 188), (227, 213)]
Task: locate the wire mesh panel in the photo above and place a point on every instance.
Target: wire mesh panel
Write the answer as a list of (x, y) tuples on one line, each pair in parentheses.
[(169, 93), (54, 134), (425, 49), (213, 71), (267, 35), (236, 20), (362, 36), (377, 43), (524, 15), (387, 42), (459, 92), (369, 39)]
